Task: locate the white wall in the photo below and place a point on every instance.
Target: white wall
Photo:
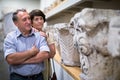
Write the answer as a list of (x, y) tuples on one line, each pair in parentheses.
[(10, 5)]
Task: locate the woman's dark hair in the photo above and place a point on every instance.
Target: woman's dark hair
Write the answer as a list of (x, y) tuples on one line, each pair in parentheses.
[(36, 12), (14, 17)]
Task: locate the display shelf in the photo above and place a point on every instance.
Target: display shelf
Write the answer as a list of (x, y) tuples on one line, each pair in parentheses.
[(72, 71), (64, 5), (72, 6)]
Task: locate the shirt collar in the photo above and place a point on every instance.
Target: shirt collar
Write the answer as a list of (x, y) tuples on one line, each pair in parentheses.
[(20, 34)]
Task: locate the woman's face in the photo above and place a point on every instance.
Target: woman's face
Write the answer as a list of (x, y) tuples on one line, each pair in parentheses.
[(38, 22)]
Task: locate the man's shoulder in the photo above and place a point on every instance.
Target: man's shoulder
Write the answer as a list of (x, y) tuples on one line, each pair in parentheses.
[(37, 34), (11, 34)]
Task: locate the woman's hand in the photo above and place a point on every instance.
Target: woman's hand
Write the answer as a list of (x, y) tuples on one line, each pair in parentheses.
[(43, 34)]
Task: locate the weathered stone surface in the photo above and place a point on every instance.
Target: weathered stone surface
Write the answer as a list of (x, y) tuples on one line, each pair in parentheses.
[(69, 54), (93, 37), (114, 37)]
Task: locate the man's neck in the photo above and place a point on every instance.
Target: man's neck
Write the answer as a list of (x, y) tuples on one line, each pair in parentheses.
[(26, 33)]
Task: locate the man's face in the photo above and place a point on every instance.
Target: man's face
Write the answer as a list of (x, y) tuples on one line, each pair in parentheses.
[(23, 22)]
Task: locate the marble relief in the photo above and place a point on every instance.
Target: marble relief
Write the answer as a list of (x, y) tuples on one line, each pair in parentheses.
[(69, 54), (98, 43)]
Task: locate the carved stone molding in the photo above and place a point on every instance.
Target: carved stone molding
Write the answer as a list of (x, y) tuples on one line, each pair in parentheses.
[(64, 39), (98, 42)]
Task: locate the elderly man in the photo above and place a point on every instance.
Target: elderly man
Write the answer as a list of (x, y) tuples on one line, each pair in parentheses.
[(25, 50)]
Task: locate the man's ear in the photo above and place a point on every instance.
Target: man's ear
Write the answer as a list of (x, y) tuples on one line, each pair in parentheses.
[(15, 22)]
